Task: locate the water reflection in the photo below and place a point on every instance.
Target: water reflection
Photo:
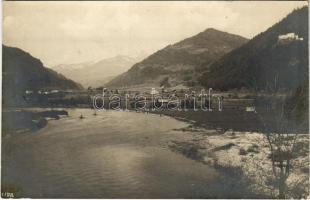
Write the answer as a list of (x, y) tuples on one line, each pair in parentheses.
[(110, 155)]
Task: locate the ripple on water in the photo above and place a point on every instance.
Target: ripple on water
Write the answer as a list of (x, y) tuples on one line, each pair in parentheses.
[(105, 156)]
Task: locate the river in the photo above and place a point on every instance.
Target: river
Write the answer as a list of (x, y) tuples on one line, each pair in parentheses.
[(114, 154)]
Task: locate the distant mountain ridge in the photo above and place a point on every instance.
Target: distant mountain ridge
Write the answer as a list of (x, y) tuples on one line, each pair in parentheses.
[(21, 72), (276, 59), (95, 74), (180, 62)]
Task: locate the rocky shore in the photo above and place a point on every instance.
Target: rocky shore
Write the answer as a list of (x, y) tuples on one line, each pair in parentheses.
[(244, 155), (26, 120)]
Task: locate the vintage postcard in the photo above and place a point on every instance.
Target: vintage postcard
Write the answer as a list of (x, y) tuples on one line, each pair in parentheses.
[(155, 99)]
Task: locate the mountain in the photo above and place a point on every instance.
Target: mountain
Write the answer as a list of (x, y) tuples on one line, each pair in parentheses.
[(21, 72), (276, 59), (98, 73), (180, 63)]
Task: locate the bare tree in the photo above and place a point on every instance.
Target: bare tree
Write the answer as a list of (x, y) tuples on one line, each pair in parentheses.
[(282, 144)]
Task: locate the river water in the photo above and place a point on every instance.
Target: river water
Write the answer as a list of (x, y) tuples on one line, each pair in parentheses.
[(114, 154)]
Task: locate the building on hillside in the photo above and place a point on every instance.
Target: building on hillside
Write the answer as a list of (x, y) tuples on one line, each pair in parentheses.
[(289, 37)]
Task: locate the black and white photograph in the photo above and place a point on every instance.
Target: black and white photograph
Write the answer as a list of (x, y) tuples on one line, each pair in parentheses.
[(155, 100)]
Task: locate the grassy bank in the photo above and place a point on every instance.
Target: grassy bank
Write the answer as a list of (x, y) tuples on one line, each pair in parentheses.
[(224, 120)]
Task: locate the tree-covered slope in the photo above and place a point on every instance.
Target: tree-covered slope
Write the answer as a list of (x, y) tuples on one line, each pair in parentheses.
[(21, 72), (276, 59)]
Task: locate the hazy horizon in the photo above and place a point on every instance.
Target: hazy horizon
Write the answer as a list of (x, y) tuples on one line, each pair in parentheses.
[(74, 32)]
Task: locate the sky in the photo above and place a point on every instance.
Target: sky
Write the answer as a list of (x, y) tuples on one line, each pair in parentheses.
[(73, 32)]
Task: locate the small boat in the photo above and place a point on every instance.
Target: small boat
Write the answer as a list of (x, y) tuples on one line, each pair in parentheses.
[(81, 116)]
